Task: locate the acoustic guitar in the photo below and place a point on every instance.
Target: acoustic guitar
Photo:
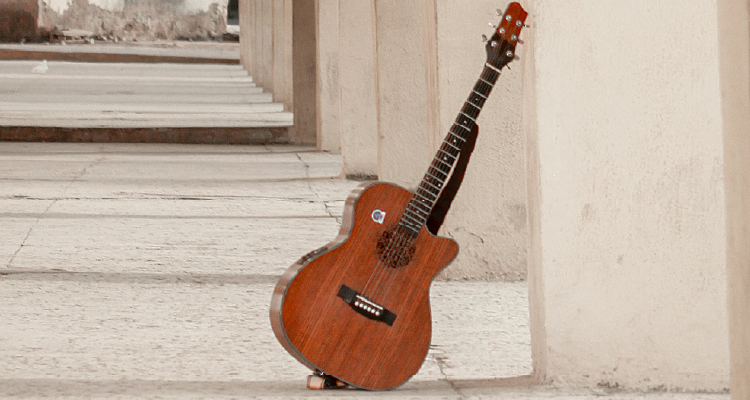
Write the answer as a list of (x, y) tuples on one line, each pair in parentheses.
[(357, 310)]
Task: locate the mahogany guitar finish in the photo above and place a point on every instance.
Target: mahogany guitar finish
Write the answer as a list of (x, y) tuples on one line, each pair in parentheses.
[(358, 309), (325, 333)]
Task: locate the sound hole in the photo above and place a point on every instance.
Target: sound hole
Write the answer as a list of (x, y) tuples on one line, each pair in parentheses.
[(395, 247)]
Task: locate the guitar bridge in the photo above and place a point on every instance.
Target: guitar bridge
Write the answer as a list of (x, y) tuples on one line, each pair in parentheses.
[(366, 307)]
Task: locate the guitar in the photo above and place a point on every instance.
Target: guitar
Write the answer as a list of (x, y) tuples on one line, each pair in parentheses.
[(357, 310)]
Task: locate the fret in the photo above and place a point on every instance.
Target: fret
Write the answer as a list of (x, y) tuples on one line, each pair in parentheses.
[(414, 230), (451, 145), (428, 182), (453, 158), (480, 95), (442, 180), (492, 67), (491, 85), (439, 172), (418, 212), (423, 198), (443, 162), (474, 105), (435, 177), (468, 116), (428, 193), (467, 130), (412, 219), (479, 102), (419, 204)]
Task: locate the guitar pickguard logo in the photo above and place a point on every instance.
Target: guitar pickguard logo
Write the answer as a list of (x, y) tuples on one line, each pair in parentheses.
[(378, 216)]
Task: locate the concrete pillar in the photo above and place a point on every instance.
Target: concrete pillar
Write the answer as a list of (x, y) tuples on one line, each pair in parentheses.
[(488, 217), (304, 61), (358, 83), (329, 91), (247, 30), (734, 57), (406, 37), (627, 196), (281, 69)]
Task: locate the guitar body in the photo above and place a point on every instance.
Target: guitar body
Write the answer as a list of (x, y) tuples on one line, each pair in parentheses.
[(313, 311)]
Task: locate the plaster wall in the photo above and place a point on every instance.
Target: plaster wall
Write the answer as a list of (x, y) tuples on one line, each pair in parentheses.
[(626, 183), (488, 217), (408, 126), (137, 19), (329, 91), (304, 61), (358, 82), (734, 45)]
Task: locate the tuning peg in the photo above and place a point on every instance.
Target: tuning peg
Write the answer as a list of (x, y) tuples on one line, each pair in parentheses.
[(492, 25), (484, 39), (509, 53), (499, 12), (493, 44), (516, 57), (521, 41)]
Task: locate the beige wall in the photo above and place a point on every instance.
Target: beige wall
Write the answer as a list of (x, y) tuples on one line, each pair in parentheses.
[(735, 89), (627, 195), (358, 88), (329, 93), (488, 217)]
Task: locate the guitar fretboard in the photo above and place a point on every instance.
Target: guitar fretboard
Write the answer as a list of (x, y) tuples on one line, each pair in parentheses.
[(432, 184)]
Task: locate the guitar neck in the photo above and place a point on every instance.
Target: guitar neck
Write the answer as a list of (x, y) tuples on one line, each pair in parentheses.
[(442, 165)]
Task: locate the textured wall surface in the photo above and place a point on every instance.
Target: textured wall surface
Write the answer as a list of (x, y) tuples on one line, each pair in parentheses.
[(18, 20), (358, 77), (141, 19), (734, 45), (629, 195), (488, 217)]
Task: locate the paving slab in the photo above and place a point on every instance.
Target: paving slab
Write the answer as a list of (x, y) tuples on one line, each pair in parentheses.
[(145, 271), (99, 96), (208, 50)]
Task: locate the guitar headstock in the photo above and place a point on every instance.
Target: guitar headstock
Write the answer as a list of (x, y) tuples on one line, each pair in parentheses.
[(501, 47)]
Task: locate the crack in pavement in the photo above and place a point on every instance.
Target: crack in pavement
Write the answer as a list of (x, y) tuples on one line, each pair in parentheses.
[(309, 185), (442, 363), (46, 210)]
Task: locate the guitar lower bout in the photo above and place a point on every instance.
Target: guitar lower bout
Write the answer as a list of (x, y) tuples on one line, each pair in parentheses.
[(358, 308)]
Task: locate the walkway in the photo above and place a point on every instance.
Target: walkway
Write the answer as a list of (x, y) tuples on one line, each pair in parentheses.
[(105, 95), (141, 271)]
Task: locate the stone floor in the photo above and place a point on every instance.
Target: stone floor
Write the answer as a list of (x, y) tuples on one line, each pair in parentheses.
[(78, 95), (145, 271)]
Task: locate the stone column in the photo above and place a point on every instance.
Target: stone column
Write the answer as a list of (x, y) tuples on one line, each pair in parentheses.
[(734, 59), (406, 38), (627, 195), (304, 61), (329, 90), (358, 83), (488, 217), (247, 30)]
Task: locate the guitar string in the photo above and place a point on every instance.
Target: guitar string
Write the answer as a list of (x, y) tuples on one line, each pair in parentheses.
[(405, 240), (404, 245), (486, 75)]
